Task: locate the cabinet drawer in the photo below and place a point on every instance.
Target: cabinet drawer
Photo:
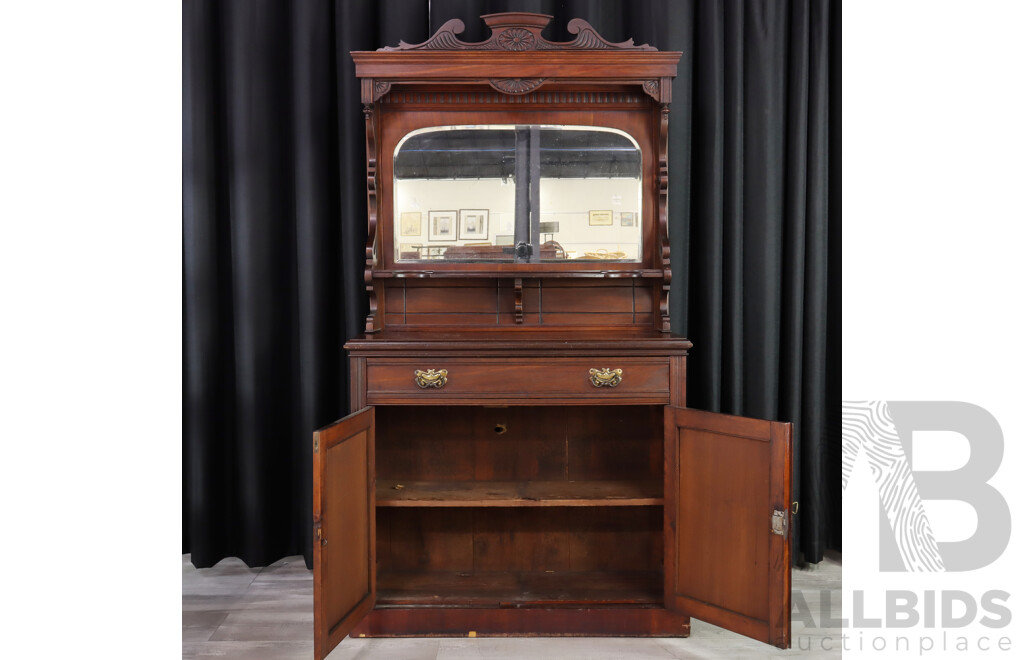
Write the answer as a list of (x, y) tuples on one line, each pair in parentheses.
[(553, 380)]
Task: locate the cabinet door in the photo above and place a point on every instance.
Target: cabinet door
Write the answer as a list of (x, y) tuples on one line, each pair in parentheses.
[(344, 579), (727, 494)]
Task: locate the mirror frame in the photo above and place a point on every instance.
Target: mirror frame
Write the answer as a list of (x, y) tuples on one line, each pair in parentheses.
[(638, 126)]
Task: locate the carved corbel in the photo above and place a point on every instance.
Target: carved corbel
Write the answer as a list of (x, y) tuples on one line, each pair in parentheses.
[(380, 88), (371, 91), (653, 89), (658, 89)]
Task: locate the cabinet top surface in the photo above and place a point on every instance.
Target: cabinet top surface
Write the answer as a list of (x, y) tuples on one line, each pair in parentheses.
[(619, 341), (455, 64)]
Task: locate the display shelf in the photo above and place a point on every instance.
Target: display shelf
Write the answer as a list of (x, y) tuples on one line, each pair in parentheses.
[(391, 493)]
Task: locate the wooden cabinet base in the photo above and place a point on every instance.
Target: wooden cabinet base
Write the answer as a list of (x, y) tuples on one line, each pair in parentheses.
[(540, 622)]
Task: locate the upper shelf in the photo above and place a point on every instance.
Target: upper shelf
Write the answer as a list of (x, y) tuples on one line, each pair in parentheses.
[(601, 270)]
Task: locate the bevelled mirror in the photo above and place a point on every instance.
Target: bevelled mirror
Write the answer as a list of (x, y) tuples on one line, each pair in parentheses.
[(526, 193)]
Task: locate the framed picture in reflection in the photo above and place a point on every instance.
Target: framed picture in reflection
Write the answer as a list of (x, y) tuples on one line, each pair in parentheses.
[(627, 219), (411, 223), (441, 225), (600, 218), (473, 224)]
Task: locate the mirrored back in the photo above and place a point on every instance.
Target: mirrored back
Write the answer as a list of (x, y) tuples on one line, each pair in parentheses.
[(517, 193)]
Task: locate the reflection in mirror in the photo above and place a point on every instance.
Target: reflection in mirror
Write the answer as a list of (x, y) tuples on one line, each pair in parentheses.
[(589, 195), (456, 190), (455, 194)]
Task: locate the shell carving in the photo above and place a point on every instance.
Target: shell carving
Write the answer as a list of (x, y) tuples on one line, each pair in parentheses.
[(515, 85)]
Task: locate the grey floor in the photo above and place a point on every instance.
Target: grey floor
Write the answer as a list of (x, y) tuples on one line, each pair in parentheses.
[(233, 612)]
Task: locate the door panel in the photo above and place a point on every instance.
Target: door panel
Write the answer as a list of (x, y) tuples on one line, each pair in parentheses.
[(724, 564), (344, 580)]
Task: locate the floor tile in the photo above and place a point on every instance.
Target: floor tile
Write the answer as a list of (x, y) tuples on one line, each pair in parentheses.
[(233, 612), (199, 625), (254, 651), (391, 649), (553, 648)]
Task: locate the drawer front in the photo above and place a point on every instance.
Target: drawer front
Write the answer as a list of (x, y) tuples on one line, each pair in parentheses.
[(554, 380)]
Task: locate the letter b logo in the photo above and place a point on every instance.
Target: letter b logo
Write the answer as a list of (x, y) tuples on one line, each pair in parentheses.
[(883, 430)]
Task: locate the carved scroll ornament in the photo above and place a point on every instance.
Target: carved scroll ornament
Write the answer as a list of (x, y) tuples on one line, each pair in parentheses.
[(518, 32)]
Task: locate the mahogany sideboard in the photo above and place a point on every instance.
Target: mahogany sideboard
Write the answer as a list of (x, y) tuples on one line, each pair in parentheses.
[(521, 460)]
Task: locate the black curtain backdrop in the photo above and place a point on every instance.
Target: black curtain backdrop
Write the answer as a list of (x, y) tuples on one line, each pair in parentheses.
[(275, 219)]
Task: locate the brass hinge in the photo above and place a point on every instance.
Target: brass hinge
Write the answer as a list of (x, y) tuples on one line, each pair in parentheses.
[(779, 522), (318, 532), (316, 444)]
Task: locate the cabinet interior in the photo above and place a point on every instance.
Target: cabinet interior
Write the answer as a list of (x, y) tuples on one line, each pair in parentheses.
[(519, 505)]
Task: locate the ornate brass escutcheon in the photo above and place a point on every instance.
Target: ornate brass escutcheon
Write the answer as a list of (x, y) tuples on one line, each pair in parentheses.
[(431, 378), (605, 377)]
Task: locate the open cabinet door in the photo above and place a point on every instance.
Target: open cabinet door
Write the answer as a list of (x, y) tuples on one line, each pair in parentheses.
[(344, 579), (727, 494)]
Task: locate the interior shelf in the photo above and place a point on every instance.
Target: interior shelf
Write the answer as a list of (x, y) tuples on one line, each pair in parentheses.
[(519, 588), (392, 493)]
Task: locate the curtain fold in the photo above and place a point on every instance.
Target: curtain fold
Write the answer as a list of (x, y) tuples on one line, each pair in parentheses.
[(760, 226), (274, 228)]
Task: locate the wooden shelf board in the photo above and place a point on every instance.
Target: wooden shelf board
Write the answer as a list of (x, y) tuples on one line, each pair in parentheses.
[(520, 588), (518, 493)]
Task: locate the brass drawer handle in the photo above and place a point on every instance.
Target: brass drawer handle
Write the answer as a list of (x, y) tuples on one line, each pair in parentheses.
[(431, 378), (605, 377)]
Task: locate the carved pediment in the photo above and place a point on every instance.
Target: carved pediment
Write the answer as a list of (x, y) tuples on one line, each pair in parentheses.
[(516, 31)]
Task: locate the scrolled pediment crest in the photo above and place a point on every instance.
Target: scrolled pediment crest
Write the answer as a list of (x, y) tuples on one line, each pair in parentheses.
[(517, 32)]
